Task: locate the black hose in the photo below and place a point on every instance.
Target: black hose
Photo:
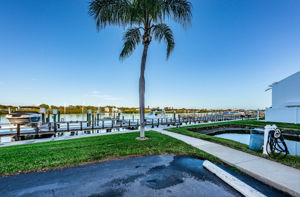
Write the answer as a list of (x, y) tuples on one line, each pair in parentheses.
[(276, 146)]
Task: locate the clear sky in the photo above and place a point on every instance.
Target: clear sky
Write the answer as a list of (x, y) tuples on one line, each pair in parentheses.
[(51, 52)]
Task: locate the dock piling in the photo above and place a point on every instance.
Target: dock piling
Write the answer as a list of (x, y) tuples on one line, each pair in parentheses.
[(18, 132)]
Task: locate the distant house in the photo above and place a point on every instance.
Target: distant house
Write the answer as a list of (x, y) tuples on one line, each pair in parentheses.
[(285, 100)]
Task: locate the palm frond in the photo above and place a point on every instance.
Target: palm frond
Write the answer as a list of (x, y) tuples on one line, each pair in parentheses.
[(110, 12), (180, 10), (163, 32), (131, 38)]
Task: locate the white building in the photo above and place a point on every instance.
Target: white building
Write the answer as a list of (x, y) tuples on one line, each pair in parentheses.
[(285, 100)]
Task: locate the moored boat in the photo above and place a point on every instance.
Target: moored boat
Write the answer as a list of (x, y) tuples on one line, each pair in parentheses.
[(24, 117), (155, 115)]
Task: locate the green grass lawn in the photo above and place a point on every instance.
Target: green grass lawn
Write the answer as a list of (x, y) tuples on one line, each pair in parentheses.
[(64, 153), (255, 123), (290, 160)]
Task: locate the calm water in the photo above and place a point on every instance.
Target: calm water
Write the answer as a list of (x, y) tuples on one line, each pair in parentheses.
[(82, 117), (293, 146), (70, 117), (75, 117)]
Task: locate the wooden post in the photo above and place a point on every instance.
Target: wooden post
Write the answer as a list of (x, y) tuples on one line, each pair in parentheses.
[(80, 125), (68, 126), (58, 116), (158, 122), (93, 120), (54, 117), (43, 118), (152, 123), (18, 132), (102, 124), (87, 119), (48, 119), (98, 115), (36, 130)]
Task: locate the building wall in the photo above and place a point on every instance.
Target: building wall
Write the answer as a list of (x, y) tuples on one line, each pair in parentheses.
[(289, 115), (286, 91)]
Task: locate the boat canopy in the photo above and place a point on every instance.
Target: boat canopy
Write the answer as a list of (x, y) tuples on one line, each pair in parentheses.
[(29, 107)]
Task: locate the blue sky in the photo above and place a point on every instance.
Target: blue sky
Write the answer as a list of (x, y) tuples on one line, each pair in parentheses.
[(51, 52)]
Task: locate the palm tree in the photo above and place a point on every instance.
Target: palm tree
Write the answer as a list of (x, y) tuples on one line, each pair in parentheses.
[(144, 19)]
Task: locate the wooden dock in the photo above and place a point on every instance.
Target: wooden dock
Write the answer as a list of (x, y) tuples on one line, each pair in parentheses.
[(53, 128)]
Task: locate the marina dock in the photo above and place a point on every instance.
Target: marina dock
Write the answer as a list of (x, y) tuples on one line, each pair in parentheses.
[(52, 128)]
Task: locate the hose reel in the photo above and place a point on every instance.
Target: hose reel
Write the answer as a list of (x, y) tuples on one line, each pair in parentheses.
[(276, 146)]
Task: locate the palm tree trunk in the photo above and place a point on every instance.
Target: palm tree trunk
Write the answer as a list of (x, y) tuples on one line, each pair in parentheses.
[(142, 91)]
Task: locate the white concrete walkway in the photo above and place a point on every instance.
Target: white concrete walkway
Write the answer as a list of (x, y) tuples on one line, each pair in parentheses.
[(275, 174), (32, 141)]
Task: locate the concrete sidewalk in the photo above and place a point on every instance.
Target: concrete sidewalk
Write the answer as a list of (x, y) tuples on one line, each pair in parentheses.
[(33, 141), (275, 174)]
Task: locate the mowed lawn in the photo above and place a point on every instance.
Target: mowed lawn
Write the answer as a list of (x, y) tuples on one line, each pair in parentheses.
[(57, 154), (290, 160), (254, 124)]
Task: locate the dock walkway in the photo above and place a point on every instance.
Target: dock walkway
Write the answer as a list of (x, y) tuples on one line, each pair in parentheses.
[(19, 132), (272, 173)]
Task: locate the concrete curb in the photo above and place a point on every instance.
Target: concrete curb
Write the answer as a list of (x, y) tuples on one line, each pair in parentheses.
[(238, 185)]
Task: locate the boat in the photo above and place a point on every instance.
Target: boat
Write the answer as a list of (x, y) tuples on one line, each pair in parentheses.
[(233, 113), (155, 115), (24, 117)]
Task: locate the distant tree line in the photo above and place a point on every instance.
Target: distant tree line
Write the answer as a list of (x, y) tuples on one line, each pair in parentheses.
[(77, 109)]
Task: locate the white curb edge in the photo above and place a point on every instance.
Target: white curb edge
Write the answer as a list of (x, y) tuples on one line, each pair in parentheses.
[(237, 184)]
